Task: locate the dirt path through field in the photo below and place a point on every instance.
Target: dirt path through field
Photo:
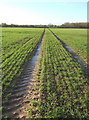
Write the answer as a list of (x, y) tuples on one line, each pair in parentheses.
[(26, 91)]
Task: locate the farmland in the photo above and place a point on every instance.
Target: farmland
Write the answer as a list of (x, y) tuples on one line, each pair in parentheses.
[(58, 88)]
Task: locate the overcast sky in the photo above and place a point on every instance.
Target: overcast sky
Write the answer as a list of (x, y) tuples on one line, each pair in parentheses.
[(42, 11)]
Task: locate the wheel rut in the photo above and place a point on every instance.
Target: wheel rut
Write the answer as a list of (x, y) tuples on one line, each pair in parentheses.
[(25, 90)]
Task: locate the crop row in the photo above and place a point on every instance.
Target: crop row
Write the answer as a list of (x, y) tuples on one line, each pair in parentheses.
[(63, 82), (13, 66)]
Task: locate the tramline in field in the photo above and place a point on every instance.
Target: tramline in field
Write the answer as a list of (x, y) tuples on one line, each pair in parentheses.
[(61, 82)]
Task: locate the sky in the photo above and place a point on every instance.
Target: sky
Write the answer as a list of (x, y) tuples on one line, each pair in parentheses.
[(42, 11)]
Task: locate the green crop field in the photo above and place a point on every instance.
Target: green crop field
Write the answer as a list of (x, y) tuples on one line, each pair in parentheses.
[(59, 86), (76, 39)]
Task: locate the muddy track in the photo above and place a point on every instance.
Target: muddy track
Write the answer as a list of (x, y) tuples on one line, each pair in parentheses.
[(83, 64), (26, 90)]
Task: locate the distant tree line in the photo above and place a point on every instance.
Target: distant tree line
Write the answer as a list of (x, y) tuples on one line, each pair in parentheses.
[(65, 25), (29, 26), (75, 25)]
